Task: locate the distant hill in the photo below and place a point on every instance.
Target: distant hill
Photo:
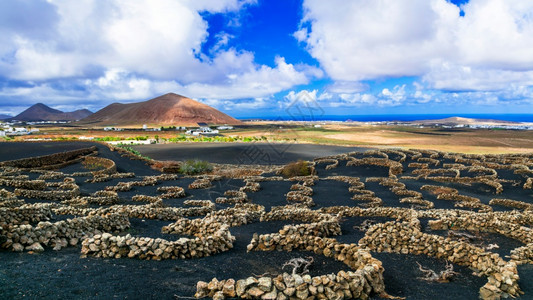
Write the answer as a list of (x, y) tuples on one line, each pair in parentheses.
[(168, 109), (3, 117), (463, 121), (42, 112)]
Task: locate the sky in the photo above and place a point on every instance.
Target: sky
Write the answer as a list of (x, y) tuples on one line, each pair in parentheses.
[(258, 58)]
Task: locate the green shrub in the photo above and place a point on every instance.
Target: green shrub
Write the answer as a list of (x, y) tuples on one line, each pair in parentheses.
[(195, 166), (297, 168)]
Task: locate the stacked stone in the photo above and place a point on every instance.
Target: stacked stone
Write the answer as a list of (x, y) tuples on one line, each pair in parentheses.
[(398, 152), (529, 183), (394, 166), (146, 181), (360, 193), (523, 255), (512, 203), (210, 238), (109, 165), (484, 223), (482, 169), (206, 203), (27, 213), (51, 175), (9, 199), (56, 235), (251, 186), (332, 162), (57, 195), (240, 214), (171, 192), (307, 180), (445, 171), (406, 237), (24, 184), (418, 202), (428, 160), (465, 201), (145, 198), (258, 178), (343, 285), (81, 174), (77, 202), (376, 153), (419, 166), (459, 167), (105, 177), (56, 159), (200, 183)]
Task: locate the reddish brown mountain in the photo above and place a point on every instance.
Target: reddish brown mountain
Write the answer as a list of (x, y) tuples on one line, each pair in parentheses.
[(41, 112), (169, 109)]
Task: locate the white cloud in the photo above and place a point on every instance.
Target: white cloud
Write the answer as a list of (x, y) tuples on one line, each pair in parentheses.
[(488, 48), (133, 50)]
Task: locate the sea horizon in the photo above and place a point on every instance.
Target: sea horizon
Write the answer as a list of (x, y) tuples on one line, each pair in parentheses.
[(395, 117)]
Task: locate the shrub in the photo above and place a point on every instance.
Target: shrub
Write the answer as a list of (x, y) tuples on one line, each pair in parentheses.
[(193, 167), (298, 168)]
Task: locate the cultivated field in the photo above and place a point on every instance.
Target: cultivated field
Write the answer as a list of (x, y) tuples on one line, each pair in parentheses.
[(463, 140), (96, 223)]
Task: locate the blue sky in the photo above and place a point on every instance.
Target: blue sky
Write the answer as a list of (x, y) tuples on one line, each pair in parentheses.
[(259, 58)]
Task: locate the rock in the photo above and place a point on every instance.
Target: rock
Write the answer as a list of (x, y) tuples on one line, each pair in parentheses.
[(240, 287), (271, 295), (17, 247), (35, 247), (219, 296), (201, 289), (298, 280), (255, 292), (302, 294), (289, 291), (265, 283), (213, 285), (229, 288), (93, 247), (250, 280)]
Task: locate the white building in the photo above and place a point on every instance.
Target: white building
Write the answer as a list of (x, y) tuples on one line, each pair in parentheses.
[(2, 133)]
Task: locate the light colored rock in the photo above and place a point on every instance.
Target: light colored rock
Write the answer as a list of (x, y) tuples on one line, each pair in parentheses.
[(255, 292), (229, 288), (265, 284)]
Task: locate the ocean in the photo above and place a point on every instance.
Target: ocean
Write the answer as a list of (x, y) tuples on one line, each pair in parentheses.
[(399, 117)]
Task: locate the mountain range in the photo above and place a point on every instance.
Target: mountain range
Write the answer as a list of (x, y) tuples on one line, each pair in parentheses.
[(42, 112)]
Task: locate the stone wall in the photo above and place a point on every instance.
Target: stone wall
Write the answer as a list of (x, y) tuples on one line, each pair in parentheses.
[(406, 237), (359, 284), (49, 160), (210, 237), (109, 166), (28, 237)]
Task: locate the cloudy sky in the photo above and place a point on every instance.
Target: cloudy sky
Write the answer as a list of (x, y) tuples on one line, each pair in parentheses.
[(257, 57)]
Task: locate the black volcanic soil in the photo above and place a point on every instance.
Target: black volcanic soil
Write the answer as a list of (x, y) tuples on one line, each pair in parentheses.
[(63, 274), (241, 153)]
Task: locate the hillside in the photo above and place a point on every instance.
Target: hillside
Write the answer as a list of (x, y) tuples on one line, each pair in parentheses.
[(168, 109), (42, 112), (463, 121)]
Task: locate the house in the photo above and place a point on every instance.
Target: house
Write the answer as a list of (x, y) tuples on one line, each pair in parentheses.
[(225, 127), (2, 133), (203, 129)]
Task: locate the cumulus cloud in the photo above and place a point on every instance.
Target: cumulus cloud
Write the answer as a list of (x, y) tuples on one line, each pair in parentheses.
[(130, 50), (487, 48)]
